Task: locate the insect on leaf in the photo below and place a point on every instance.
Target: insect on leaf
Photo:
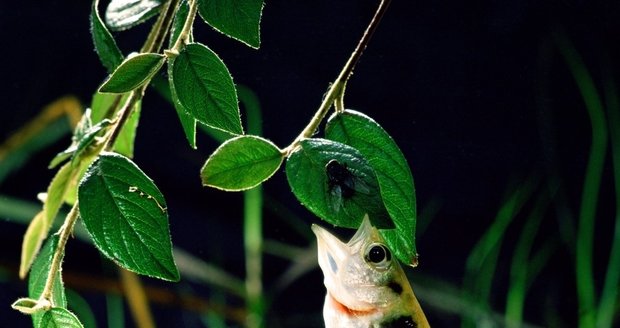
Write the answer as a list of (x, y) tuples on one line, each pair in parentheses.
[(336, 183), (393, 174)]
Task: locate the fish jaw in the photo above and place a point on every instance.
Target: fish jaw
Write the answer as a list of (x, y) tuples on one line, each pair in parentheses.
[(333, 255)]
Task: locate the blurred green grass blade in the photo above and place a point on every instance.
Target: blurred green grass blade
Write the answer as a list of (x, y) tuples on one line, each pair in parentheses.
[(18, 210), (592, 181), (253, 222), (16, 158), (115, 311), (81, 309), (482, 261), (609, 297), (517, 290)]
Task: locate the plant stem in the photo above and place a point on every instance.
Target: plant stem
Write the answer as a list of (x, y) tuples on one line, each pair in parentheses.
[(161, 27), (253, 224), (187, 27), (335, 93), (64, 233)]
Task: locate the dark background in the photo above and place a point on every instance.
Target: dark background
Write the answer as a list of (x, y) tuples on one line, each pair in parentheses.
[(474, 92)]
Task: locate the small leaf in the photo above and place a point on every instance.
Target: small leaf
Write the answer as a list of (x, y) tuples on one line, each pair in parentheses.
[(58, 317), (56, 193), (238, 19), (393, 173), (102, 104), (88, 139), (179, 21), (241, 163), (124, 14), (188, 122), (38, 276), (126, 216), (105, 46), (205, 89), (33, 239), (26, 305), (134, 72), (342, 197)]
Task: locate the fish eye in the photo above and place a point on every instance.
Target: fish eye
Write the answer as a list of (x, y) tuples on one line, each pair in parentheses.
[(378, 255)]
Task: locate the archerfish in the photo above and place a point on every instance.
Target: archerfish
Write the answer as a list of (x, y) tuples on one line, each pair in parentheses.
[(366, 287)]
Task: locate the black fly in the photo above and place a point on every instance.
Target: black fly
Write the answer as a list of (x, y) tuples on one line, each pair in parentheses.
[(342, 183)]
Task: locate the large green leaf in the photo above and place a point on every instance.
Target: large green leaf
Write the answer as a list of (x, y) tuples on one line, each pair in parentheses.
[(101, 104), (126, 216), (336, 183), (393, 173), (238, 19), (106, 47), (123, 14), (38, 276), (205, 89), (241, 163), (132, 73), (58, 317)]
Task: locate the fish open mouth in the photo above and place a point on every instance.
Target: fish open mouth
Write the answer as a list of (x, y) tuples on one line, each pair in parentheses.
[(341, 308)]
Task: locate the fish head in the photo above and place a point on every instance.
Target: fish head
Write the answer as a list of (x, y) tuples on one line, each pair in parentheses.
[(362, 274)]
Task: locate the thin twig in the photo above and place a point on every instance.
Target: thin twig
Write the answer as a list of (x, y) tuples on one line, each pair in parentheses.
[(64, 233), (187, 27), (335, 94)]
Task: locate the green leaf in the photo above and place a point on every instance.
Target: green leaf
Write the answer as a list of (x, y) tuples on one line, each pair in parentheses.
[(124, 14), (134, 72), (84, 136), (395, 180), (33, 239), (38, 276), (40, 225), (205, 89), (188, 122), (88, 139), (101, 104), (105, 46), (58, 317), (56, 193), (26, 305), (179, 21), (341, 195), (238, 19), (241, 163), (126, 216)]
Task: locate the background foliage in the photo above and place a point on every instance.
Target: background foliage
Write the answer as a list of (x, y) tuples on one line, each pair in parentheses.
[(483, 99)]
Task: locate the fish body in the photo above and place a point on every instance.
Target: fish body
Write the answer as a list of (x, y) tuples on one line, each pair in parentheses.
[(366, 287)]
